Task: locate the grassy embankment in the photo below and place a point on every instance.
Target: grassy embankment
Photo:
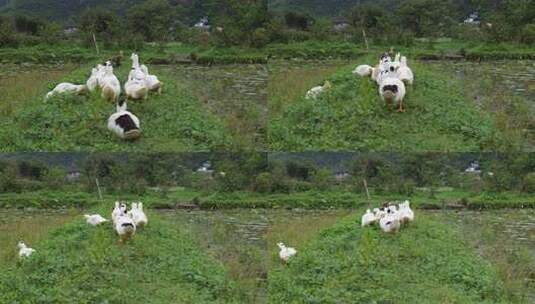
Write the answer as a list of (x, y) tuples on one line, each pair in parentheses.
[(173, 121), (81, 263), (352, 116), (180, 197), (426, 263)]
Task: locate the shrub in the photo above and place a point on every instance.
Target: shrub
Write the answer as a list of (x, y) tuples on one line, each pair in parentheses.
[(529, 183), (528, 34), (260, 38), (263, 183)]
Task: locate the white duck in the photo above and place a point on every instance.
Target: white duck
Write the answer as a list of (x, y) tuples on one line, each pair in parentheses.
[(92, 82), (406, 214), (125, 227), (123, 123), (368, 218), (111, 87), (137, 214), (405, 73), (66, 87), (136, 89), (152, 81), (25, 251), (315, 92), (392, 89), (94, 219), (286, 253), (118, 210), (390, 222)]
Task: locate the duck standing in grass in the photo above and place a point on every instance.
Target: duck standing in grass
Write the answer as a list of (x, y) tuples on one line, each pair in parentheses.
[(123, 123), (118, 210), (125, 227), (315, 92), (25, 251), (94, 219), (285, 253), (152, 81), (406, 215), (111, 87), (390, 223), (136, 213)]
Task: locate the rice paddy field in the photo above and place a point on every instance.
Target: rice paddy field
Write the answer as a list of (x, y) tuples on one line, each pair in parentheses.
[(217, 108), (452, 107), (230, 256)]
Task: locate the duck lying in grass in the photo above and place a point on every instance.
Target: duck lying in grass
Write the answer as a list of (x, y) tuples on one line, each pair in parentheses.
[(286, 253), (390, 217), (25, 251), (137, 215), (94, 219), (66, 87), (123, 123), (315, 92)]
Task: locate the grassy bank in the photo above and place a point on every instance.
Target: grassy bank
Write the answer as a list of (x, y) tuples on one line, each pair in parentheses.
[(419, 49), (186, 198), (426, 262), (170, 53), (174, 121), (81, 263), (351, 116)]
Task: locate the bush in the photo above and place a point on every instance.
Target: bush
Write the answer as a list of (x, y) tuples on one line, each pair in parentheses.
[(260, 38), (529, 183), (263, 183), (528, 34), (322, 179)]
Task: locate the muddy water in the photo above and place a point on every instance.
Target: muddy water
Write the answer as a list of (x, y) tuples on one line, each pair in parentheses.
[(28, 226)]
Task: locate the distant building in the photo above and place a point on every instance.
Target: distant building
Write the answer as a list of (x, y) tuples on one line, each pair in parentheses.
[(203, 24), (206, 167), (73, 174), (342, 176), (473, 19), (341, 24), (473, 168), (70, 30)]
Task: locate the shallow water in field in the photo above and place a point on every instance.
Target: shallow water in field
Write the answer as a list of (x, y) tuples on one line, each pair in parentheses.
[(28, 226)]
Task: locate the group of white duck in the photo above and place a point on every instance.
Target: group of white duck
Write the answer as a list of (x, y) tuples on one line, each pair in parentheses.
[(389, 217), (392, 77), (125, 223), (140, 82)]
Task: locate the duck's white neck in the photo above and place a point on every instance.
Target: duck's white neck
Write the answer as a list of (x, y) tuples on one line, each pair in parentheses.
[(122, 106)]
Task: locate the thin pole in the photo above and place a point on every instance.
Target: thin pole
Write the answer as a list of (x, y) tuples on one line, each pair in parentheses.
[(98, 188), (95, 42)]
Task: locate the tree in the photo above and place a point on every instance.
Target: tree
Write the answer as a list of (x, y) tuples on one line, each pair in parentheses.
[(152, 19)]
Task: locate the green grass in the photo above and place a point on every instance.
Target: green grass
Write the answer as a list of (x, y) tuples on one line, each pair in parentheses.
[(351, 116), (442, 198), (173, 121), (82, 264), (425, 263)]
